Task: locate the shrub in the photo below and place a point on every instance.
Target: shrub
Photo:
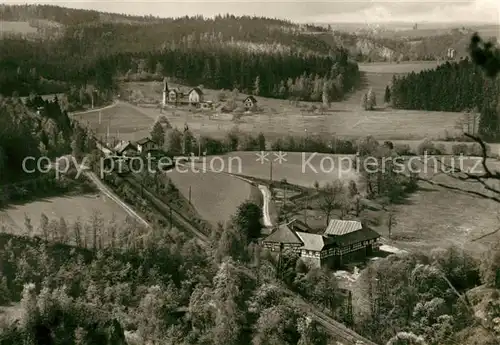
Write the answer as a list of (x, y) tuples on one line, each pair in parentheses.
[(428, 147), (440, 149), (403, 150), (367, 146), (344, 147), (476, 150), (459, 149)]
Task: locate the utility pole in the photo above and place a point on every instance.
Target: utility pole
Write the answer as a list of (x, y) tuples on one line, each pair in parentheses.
[(190, 194), (284, 203), (271, 170), (305, 210)]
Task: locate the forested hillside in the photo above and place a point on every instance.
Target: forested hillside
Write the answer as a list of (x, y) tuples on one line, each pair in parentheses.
[(275, 58), (458, 87)]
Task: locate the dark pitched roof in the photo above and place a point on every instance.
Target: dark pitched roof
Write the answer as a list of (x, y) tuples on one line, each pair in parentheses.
[(123, 146), (338, 227), (143, 141), (364, 234), (252, 98), (284, 234), (298, 225), (197, 89)]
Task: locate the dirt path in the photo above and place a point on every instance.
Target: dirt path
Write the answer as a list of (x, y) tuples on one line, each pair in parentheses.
[(105, 190)]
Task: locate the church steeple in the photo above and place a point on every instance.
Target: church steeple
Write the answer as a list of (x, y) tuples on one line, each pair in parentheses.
[(165, 91), (165, 85)]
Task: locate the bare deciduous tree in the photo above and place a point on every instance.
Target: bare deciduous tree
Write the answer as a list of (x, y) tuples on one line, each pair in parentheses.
[(330, 197)]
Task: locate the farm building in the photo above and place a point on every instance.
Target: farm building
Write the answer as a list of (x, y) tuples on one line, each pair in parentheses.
[(125, 148), (195, 96), (145, 144), (341, 242), (249, 102)]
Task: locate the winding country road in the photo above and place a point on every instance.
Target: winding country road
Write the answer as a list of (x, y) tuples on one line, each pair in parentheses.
[(266, 197), (114, 104)]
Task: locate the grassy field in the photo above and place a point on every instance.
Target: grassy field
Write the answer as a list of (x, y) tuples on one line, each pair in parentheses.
[(387, 124), (345, 119), (437, 217), (216, 196), (17, 27), (384, 124), (397, 68), (378, 75), (294, 169), (125, 121), (70, 208)]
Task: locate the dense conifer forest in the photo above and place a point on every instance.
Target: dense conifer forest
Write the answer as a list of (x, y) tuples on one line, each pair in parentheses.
[(459, 86), (276, 57)]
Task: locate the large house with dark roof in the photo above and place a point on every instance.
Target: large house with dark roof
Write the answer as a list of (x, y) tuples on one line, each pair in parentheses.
[(341, 242)]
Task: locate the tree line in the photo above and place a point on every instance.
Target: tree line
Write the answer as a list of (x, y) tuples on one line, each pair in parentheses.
[(459, 86), (280, 75)]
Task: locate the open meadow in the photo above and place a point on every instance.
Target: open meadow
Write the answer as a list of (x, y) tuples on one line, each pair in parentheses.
[(397, 68), (71, 208), (297, 168), (216, 196), (438, 217), (383, 125), (16, 27), (282, 117), (124, 121)]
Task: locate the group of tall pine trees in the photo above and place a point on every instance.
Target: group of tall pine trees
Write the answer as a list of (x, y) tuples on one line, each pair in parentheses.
[(456, 87)]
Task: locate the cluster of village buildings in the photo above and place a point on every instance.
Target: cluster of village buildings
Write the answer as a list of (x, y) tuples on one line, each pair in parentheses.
[(195, 97), (342, 242)]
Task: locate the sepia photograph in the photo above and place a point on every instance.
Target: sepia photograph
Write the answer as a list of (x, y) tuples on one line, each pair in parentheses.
[(231, 172)]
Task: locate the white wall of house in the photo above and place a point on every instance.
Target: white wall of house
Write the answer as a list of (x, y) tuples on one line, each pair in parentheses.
[(194, 97), (248, 104)]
